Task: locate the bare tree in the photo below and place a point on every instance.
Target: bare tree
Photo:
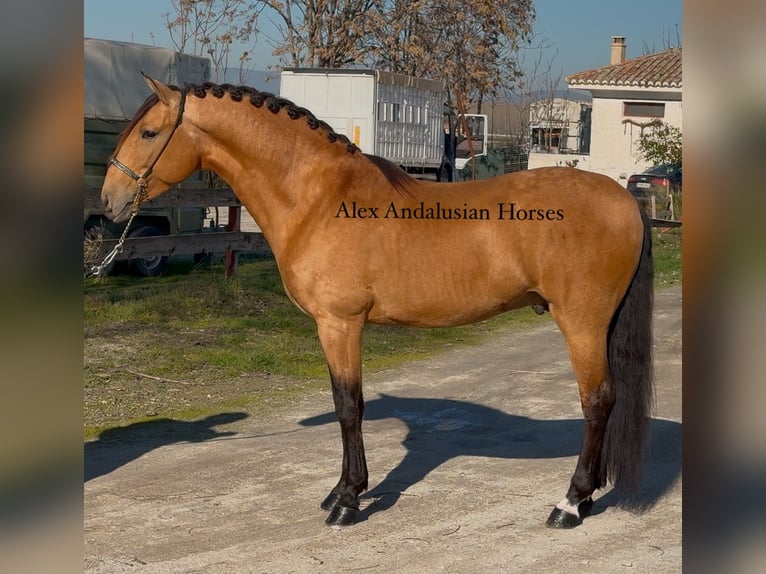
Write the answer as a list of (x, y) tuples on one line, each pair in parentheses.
[(319, 33), (534, 95), (471, 44), (397, 43), (668, 42), (525, 91), (212, 27), (548, 111)]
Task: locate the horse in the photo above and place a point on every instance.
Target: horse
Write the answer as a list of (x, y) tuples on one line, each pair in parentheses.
[(358, 240)]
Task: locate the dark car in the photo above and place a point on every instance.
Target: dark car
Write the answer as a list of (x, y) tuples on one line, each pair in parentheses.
[(659, 181)]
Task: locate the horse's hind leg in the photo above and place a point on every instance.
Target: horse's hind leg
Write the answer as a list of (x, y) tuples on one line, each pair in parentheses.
[(588, 353), (341, 341)]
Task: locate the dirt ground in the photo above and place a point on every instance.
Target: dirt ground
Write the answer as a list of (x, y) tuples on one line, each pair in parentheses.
[(468, 452)]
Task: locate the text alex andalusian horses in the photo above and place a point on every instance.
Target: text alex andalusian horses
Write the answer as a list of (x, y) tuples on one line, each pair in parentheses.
[(358, 240)]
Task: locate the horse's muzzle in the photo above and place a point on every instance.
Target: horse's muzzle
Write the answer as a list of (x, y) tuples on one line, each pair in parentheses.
[(118, 211)]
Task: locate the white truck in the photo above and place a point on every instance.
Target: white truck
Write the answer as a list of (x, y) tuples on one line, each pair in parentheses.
[(114, 90), (401, 118)]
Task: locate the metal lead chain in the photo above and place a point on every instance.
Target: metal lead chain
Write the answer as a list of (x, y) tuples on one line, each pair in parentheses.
[(99, 270)]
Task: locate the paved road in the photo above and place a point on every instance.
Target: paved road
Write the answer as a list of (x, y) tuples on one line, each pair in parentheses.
[(467, 454)]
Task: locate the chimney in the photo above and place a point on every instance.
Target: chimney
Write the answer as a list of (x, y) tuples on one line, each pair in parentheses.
[(618, 50)]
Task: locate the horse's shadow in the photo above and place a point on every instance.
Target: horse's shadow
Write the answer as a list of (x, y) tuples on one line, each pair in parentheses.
[(442, 429), (118, 446)]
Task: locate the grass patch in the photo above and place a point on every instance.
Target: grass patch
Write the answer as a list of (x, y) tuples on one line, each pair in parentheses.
[(192, 343), (666, 247)]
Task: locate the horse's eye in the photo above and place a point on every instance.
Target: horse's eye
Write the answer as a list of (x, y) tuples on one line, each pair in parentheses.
[(148, 134)]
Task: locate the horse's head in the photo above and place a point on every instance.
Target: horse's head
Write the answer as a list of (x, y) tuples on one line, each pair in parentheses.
[(152, 154)]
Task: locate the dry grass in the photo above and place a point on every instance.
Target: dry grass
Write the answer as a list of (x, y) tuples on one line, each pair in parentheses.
[(94, 238)]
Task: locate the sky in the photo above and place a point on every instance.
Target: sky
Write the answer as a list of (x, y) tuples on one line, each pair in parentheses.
[(578, 33)]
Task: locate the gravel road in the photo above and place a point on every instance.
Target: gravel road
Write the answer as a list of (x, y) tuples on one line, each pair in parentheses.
[(467, 452)]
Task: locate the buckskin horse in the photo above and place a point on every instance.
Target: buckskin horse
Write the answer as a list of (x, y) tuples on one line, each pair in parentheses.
[(357, 240)]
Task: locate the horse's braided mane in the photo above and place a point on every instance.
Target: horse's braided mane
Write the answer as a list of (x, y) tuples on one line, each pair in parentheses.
[(396, 176), (274, 104), (392, 172)]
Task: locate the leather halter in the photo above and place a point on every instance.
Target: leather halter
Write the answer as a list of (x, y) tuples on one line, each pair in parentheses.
[(141, 192)]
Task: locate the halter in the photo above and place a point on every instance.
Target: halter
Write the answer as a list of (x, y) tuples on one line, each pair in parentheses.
[(141, 183), (141, 192)]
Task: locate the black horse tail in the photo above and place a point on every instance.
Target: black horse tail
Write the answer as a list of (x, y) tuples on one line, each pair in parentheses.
[(630, 363)]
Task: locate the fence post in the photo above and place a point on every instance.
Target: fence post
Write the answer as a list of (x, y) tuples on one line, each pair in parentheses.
[(232, 255)]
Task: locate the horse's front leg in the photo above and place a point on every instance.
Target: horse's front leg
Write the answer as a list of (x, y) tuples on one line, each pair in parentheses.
[(341, 341)]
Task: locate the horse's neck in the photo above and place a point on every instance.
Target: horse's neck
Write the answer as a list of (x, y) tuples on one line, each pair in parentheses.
[(267, 166)]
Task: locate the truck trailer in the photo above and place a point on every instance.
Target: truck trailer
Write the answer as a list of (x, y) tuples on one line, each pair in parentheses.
[(401, 118)]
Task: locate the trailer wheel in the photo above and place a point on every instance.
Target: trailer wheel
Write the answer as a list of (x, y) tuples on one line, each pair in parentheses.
[(148, 266)]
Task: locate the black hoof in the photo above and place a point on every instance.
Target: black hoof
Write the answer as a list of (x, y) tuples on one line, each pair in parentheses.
[(342, 516), (562, 519), (330, 502)]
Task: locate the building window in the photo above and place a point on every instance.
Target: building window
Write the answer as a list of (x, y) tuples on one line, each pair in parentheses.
[(643, 109)]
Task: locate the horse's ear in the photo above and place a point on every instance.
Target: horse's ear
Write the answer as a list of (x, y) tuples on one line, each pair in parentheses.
[(163, 92)]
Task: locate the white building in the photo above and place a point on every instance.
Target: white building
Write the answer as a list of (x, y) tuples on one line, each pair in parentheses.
[(558, 125), (627, 95)]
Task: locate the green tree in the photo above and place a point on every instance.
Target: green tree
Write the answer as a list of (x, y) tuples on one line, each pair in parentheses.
[(660, 143)]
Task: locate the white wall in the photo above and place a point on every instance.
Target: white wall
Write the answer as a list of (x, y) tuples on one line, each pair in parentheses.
[(613, 143)]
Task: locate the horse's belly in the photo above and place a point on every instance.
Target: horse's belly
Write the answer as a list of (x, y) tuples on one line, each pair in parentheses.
[(426, 309)]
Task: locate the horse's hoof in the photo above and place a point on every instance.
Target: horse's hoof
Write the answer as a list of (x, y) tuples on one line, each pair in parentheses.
[(562, 519), (342, 516), (330, 502)]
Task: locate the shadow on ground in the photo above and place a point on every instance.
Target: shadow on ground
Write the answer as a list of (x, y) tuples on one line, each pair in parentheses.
[(438, 430), (442, 429), (118, 446)]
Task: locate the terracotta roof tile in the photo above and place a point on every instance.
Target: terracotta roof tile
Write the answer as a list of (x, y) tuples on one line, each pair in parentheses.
[(660, 70)]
